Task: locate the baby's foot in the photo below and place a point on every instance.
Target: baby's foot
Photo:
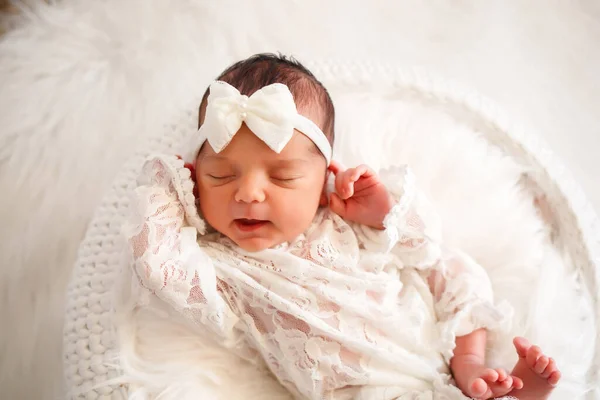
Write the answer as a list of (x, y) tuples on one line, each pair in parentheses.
[(479, 382), (538, 372)]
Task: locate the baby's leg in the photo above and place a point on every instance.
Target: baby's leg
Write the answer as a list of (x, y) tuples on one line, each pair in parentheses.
[(459, 284), (472, 375), (463, 293)]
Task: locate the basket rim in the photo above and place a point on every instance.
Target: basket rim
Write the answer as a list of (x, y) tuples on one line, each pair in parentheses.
[(533, 143)]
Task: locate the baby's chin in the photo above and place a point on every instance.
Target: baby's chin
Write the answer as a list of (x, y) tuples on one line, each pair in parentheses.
[(255, 244)]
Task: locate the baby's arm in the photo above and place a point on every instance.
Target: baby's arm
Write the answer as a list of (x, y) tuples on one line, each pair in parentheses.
[(462, 290), (407, 224), (165, 255)]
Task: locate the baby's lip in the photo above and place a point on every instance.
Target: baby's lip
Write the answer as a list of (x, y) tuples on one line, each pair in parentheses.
[(249, 225), (248, 218)]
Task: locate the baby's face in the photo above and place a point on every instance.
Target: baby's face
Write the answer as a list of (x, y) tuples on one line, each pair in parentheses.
[(256, 197)]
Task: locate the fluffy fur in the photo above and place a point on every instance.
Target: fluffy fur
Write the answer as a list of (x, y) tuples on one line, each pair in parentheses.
[(84, 83)]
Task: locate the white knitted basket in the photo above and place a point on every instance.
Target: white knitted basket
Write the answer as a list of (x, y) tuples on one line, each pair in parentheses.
[(89, 336)]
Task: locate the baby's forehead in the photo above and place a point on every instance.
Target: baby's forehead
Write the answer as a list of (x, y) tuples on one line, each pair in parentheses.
[(245, 146)]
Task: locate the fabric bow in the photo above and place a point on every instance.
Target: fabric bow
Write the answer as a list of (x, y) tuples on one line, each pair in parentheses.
[(270, 113)]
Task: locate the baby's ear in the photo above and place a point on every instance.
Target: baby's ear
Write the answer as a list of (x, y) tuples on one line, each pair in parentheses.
[(192, 170), (192, 177), (324, 200)]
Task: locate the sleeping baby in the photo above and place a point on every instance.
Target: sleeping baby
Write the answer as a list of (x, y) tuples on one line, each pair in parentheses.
[(334, 279)]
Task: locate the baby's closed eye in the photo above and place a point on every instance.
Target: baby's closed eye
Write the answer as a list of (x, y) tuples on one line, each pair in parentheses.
[(286, 177), (220, 176), (286, 174)]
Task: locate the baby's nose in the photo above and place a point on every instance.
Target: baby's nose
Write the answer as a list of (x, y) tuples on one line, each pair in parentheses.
[(250, 190)]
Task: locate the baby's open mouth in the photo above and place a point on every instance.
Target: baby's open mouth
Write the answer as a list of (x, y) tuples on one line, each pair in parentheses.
[(247, 225)]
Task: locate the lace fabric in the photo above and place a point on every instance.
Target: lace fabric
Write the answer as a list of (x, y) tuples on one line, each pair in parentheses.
[(342, 310)]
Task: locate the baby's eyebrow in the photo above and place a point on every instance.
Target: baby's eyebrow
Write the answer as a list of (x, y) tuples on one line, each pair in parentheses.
[(290, 162), (214, 158)]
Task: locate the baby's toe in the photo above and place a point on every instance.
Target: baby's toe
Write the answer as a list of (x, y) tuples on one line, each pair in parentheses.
[(521, 345), (533, 354), (478, 388), (502, 375), (549, 369), (540, 365), (517, 382), (554, 378), (490, 375), (501, 388), (506, 383)]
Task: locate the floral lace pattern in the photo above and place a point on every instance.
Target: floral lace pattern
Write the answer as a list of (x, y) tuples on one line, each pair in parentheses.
[(331, 315)]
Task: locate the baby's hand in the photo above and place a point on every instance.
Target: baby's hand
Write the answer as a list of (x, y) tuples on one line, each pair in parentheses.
[(359, 196)]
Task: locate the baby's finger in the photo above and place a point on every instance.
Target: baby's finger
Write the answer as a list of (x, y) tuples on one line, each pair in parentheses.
[(344, 186), (340, 183), (364, 172), (337, 205), (335, 167), (348, 184), (358, 172)]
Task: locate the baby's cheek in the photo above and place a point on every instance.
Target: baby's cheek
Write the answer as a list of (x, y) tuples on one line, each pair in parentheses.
[(298, 212), (212, 208)]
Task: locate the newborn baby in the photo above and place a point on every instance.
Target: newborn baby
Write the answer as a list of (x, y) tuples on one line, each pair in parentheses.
[(342, 291)]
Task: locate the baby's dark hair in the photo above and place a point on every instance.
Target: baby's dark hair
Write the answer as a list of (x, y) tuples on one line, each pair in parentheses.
[(264, 69)]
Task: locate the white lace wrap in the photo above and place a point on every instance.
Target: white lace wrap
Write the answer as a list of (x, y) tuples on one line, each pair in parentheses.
[(341, 312)]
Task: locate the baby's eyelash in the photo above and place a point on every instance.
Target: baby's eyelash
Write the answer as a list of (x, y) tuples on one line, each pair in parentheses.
[(220, 177), (290, 179)]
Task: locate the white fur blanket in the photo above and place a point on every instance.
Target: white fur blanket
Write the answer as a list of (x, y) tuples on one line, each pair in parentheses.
[(83, 83)]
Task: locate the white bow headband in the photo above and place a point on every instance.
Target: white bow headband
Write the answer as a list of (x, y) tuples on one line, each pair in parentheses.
[(270, 113)]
